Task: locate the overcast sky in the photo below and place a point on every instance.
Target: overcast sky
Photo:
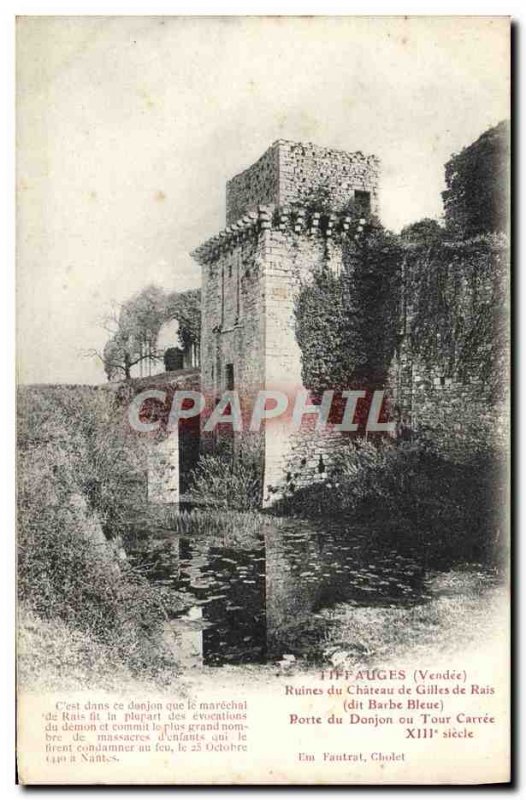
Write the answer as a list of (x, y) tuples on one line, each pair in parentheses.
[(129, 127)]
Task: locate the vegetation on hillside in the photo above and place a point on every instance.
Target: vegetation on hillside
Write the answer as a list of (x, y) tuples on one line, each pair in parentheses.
[(78, 469)]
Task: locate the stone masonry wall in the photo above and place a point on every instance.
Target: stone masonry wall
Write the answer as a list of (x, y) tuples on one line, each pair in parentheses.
[(232, 317), (286, 217), (290, 173), (257, 185), (306, 167)]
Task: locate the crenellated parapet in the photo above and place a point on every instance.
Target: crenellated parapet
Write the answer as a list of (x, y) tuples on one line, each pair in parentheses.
[(290, 220)]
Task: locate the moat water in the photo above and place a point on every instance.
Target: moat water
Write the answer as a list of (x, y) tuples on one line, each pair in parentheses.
[(266, 595)]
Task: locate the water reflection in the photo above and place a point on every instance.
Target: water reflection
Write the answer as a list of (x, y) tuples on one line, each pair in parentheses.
[(241, 603)]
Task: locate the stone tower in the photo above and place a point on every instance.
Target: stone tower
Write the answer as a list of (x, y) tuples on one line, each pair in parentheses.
[(286, 216)]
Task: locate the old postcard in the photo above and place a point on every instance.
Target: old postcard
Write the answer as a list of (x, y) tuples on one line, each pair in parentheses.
[(263, 400)]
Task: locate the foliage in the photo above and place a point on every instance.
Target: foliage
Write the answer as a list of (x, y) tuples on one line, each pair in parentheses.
[(53, 655), (477, 196), (229, 483), (349, 327), (142, 314), (84, 434), (346, 325), (138, 325), (317, 199), (134, 339), (77, 475), (372, 266), (330, 342)]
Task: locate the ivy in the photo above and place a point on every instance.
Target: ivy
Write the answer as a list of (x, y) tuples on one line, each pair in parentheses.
[(139, 322)]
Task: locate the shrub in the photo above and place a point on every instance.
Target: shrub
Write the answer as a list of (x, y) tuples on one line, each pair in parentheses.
[(452, 510), (360, 473), (476, 199)]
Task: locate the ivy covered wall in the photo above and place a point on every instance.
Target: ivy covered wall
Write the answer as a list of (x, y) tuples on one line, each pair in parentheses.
[(427, 318)]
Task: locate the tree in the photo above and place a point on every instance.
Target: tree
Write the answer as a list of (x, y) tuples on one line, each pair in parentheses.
[(477, 196)]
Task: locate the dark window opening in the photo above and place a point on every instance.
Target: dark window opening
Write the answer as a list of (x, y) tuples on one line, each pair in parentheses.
[(229, 376), (362, 201)]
